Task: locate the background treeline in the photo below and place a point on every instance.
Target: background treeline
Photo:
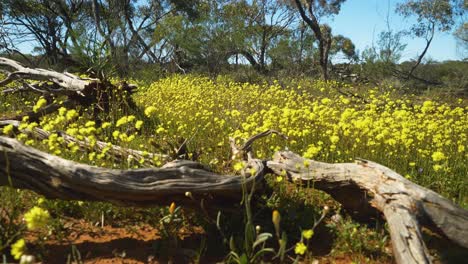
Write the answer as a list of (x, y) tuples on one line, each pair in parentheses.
[(249, 38)]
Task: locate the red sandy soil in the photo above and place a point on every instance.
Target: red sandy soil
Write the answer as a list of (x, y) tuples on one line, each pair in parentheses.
[(102, 245)]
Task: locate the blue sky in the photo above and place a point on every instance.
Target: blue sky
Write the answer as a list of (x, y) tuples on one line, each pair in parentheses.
[(362, 20)]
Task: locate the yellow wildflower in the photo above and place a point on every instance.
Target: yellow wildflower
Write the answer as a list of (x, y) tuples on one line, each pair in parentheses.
[(36, 218), (150, 110), (8, 129), (307, 234), (138, 124), (300, 248), (71, 114), (239, 166), (437, 167), (40, 103), (106, 125), (438, 156), (18, 249)]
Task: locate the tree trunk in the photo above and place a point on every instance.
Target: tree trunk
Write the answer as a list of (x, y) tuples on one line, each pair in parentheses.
[(324, 38)]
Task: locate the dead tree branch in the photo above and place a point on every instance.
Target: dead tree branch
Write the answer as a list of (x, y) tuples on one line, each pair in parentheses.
[(57, 178), (368, 188)]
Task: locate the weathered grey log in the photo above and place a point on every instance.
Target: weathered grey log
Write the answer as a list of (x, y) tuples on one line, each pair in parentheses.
[(27, 168), (366, 186), (118, 153), (66, 82)]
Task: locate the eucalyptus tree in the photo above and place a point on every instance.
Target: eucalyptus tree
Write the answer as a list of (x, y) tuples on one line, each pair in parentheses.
[(47, 24), (270, 23), (462, 39), (294, 52), (431, 16), (222, 31), (311, 11)]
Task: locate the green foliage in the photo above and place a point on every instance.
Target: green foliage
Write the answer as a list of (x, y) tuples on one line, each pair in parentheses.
[(442, 13), (371, 242), (11, 208)]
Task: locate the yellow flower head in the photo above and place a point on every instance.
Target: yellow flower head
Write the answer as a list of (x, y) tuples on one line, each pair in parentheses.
[(150, 110), (40, 103), (239, 166), (438, 156), (36, 218), (106, 125), (307, 234), (300, 248), (18, 249), (138, 124), (172, 208), (71, 114), (8, 129)]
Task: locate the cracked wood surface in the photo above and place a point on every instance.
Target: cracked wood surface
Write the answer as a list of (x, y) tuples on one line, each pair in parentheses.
[(365, 186), (67, 83), (54, 177)]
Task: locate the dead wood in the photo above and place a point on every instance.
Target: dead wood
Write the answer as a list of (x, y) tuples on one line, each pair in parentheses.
[(62, 82), (363, 187), (24, 167), (366, 187), (99, 94)]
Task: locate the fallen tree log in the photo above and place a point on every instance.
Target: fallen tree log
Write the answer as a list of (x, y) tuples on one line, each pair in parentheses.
[(24, 167), (365, 186), (61, 82), (78, 90), (362, 187)]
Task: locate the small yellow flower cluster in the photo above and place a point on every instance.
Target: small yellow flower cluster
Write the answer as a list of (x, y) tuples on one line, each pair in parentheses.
[(39, 104), (36, 218), (18, 249)]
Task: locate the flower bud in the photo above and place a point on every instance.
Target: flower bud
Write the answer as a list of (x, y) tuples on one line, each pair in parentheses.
[(276, 219), (172, 208)]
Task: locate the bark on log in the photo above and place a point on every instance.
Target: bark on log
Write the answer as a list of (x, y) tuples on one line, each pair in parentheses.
[(365, 186), (27, 168), (81, 91), (67, 83)]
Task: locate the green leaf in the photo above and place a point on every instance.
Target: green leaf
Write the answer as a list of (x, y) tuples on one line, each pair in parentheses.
[(261, 238), (262, 252), (244, 259), (232, 244), (249, 234)]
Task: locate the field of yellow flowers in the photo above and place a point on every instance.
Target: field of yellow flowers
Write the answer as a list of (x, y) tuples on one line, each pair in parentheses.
[(424, 139)]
